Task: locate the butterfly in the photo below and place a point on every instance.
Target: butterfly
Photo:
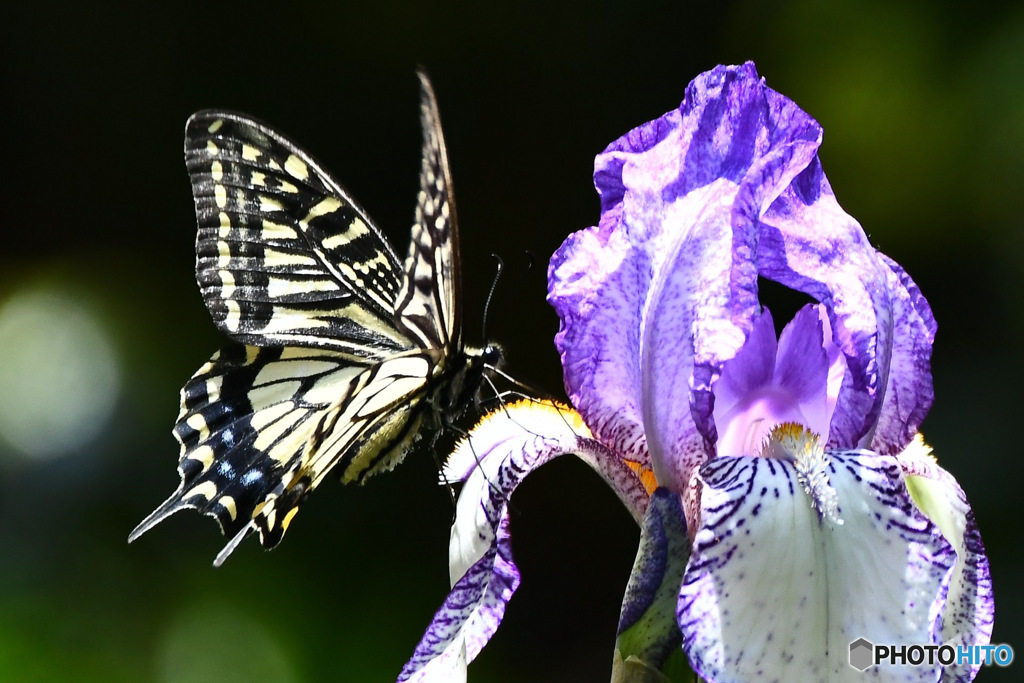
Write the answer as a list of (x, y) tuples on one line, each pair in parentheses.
[(341, 356)]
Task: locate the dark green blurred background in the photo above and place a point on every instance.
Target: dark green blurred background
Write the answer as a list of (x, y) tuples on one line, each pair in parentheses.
[(923, 110)]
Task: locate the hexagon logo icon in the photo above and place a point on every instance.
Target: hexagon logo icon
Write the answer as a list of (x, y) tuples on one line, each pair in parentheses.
[(861, 654)]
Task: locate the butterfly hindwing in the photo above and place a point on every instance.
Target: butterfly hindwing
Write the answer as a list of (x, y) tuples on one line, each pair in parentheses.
[(245, 419)]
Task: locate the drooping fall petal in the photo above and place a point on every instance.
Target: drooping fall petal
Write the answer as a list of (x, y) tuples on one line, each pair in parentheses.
[(495, 457), (775, 587)]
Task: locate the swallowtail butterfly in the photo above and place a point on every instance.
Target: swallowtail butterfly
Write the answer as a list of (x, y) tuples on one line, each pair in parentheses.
[(340, 354)]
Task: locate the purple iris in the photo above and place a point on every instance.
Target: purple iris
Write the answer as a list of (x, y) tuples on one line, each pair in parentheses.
[(812, 512)]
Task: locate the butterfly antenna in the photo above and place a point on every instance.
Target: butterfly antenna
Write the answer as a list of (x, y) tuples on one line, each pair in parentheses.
[(490, 294)]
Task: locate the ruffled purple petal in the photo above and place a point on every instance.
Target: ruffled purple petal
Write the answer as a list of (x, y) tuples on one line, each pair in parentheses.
[(775, 591), (496, 456), (695, 206), (878, 318), (598, 290), (698, 315), (908, 393), (742, 145), (676, 296)]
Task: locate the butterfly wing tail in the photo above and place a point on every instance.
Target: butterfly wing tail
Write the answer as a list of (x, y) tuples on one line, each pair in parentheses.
[(234, 543), (168, 508)]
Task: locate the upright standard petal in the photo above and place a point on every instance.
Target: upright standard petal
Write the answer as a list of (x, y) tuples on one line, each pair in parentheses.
[(878, 317), (768, 383), (598, 287), (696, 205), (681, 201), (908, 392)]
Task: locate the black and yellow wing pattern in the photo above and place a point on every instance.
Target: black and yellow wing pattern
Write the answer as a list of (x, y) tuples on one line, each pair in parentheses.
[(340, 354)]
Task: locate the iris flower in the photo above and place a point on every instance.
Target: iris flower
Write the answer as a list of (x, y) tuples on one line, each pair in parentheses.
[(787, 503)]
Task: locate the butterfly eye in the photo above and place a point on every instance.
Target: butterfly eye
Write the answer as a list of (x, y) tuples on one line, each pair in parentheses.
[(492, 354)]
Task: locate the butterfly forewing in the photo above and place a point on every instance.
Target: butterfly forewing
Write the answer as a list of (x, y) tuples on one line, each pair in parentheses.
[(428, 301), (284, 255)]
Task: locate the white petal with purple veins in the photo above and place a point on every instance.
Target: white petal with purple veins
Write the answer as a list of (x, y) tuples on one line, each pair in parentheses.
[(775, 589), (496, 456)]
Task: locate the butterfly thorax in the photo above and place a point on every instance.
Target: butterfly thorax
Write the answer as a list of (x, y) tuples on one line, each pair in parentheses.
[(458, 386)]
